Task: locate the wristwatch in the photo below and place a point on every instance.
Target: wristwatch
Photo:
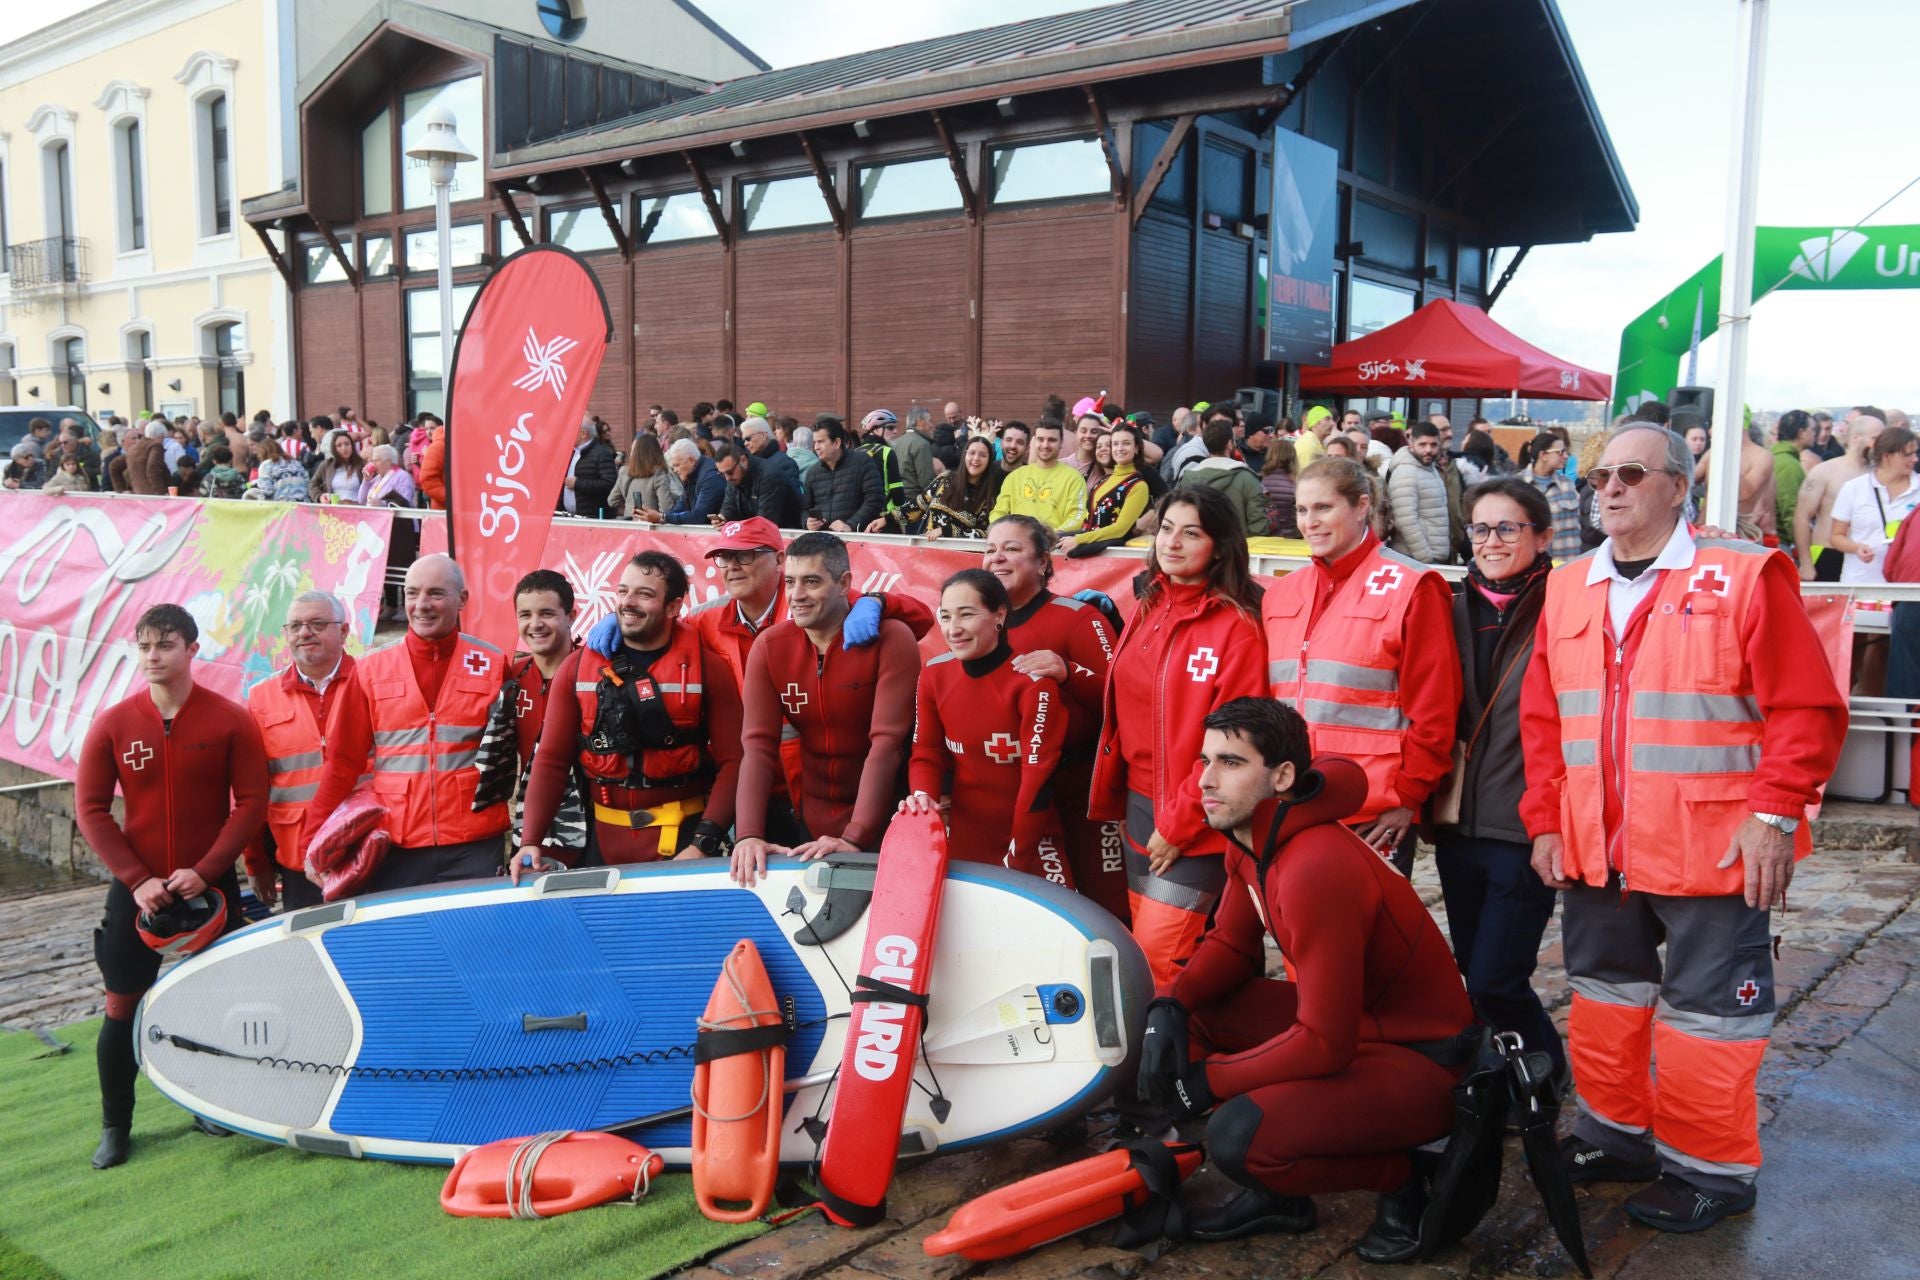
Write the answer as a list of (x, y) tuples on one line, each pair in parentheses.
[(1784, 825)]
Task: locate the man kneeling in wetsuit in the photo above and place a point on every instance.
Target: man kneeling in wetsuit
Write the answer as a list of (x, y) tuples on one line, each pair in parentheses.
[(1324, 1082)]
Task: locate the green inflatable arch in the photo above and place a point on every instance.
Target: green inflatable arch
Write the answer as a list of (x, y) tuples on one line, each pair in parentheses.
[(1783, 258)]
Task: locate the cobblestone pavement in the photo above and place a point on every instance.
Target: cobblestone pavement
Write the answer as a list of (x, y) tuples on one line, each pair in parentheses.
[(1850, 941)]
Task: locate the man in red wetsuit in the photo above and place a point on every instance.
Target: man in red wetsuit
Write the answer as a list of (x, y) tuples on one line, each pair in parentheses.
[(654, 727), (176, 752), (752, 560), (853, 709), (419, 708), (1327, 1080)]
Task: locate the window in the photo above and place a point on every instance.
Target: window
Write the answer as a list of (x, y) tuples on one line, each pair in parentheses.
[(1226, 181), (1174, 188), (563, 19), (3, 218), (73, 359), (376, 257), (469, 240), (1473, 266), (682, 216), (782, 202), (425, 392), (906, 186), (143, 354), (462, 98), (376, 166), (127, 177), (1388, 236), (1440, 254), (580, 229), (1375, 306), (216, 178), (319, 266), (59, 179), (1049, 171), (229, 344)]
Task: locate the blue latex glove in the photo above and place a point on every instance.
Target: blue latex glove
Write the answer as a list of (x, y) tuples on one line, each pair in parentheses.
[(1099, 600), (604, 638), (862, 626)]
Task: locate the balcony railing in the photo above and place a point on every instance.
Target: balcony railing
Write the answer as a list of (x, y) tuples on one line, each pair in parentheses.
[(53, 265)]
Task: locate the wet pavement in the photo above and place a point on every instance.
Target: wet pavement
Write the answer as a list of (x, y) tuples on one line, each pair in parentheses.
[(1839, 1105)]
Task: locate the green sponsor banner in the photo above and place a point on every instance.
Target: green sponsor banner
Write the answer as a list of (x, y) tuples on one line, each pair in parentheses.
[(1783, 258)]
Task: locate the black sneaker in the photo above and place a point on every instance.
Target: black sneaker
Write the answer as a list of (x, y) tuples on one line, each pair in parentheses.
[(1395, 1233), (1588, 1163), (1674, 1204), (1251, 1212)]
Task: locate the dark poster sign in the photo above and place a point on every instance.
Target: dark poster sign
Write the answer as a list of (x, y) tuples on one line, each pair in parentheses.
[(1301, 228)]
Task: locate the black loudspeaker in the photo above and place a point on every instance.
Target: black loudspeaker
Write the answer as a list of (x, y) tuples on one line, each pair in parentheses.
[(1690, 407)]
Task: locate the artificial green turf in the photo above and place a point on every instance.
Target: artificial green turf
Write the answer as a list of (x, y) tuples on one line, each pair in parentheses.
[(203, 1208)]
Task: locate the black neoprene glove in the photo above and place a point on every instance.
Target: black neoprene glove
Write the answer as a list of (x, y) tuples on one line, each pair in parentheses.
[(1168, 1076)]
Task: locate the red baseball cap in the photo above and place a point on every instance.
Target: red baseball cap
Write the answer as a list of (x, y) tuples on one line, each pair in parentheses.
[(755, 534)]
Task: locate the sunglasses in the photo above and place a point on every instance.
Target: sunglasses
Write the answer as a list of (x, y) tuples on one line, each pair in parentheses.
[(1630, 473), (1505, 531)]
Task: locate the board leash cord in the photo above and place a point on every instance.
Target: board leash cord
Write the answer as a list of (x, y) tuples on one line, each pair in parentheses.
[(437, 1075)]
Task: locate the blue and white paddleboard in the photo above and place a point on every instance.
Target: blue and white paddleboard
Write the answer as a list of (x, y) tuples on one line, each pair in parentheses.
[(419, 1024)]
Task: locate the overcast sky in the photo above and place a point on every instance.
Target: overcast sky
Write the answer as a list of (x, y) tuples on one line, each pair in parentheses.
[(1840, 136)]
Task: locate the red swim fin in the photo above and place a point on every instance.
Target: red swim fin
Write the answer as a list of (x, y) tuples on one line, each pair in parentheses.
[(889, 1013), (1051, 1205)]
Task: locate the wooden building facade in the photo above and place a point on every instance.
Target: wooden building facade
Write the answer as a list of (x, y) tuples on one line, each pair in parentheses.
[(1052, 207)]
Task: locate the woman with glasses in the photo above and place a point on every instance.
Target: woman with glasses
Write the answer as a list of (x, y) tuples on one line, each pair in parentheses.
[(1497, 908), (1349, 640), (1869, 508), (1543, 462)]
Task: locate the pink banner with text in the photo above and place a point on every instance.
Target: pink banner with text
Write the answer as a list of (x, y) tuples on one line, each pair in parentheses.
[(76, 571)]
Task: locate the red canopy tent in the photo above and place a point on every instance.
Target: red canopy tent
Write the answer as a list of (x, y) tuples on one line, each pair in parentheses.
[(1447, 349)]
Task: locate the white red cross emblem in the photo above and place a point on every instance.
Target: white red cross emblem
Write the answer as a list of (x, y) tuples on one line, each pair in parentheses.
[(524, 707), (1384, 579), (476, 663), (1709, 579), (730, 529), (138, 753), (1002, 748), (1747, 992), (1202, 663), (793, 699)]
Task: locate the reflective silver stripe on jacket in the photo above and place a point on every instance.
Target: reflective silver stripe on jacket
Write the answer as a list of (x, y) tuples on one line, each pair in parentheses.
[(416, 737), (1347, 716), (679, 688), (1706, 708), (1579, 702), (1660, 757), (459, 732), (1284, 671), (292, 795), (1351, 675), (287, 764), (1579, 753), (400, 764), (585, 686)]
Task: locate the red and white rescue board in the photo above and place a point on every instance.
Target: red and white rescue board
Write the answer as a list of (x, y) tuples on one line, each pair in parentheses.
[(889, 1012)]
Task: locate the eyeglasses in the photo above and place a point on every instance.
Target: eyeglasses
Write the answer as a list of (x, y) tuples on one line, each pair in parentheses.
[(1505, 531), (738, 559), (1630, 473), (306, 628)]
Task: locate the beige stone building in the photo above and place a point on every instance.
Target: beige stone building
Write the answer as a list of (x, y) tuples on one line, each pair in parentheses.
[(130, 133)]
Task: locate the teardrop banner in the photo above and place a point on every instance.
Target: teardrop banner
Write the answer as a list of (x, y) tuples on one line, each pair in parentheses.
[(522, 373)]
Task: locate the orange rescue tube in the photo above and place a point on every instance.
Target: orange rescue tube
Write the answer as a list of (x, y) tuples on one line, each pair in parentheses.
[(737, 1093), (547, 1175), (1049, 1206)]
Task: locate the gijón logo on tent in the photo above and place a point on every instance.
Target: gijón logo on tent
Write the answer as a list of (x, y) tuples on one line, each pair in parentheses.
[(1823, 258)]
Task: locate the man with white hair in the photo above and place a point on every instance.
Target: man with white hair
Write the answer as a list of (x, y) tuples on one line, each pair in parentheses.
[(297, 709), (757, 434), (1677, 717), (912, 443), (702, 488), (147, 470), (797, 442), (419, 708)]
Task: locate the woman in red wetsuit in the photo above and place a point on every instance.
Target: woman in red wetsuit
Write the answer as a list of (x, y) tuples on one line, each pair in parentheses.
[(1193, 645), (989, 737), (1068, 641)]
